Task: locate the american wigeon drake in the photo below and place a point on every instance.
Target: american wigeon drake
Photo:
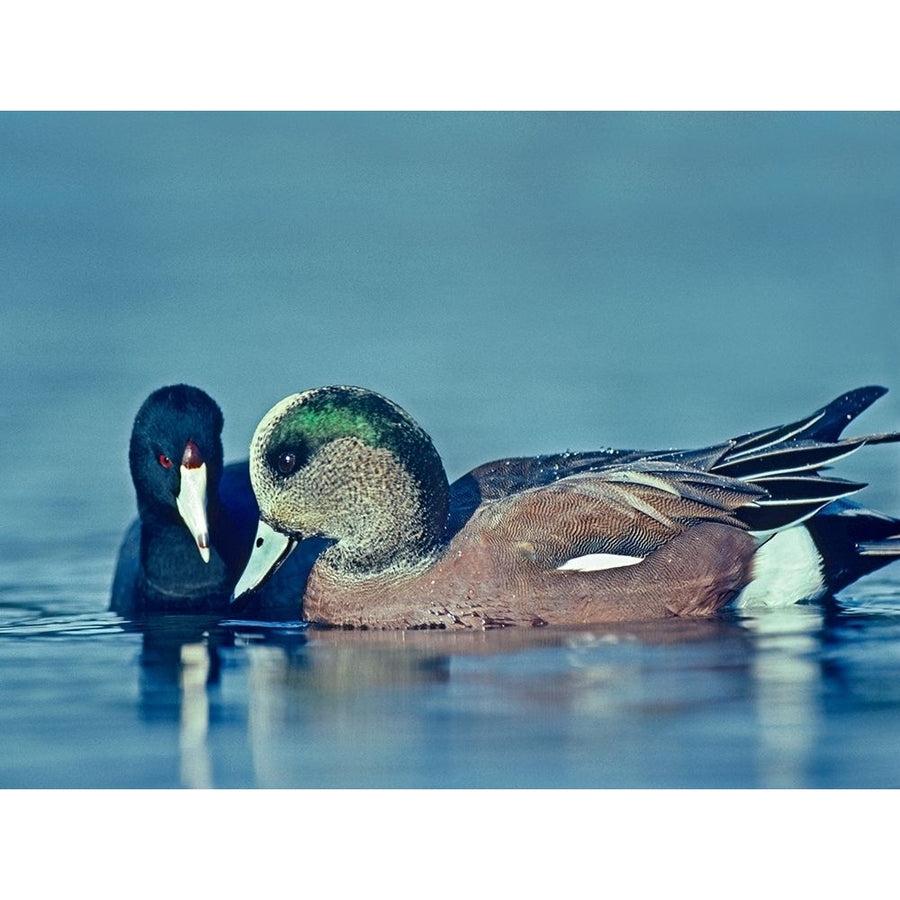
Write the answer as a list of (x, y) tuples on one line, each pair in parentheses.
[(196, 517), (566, 539)]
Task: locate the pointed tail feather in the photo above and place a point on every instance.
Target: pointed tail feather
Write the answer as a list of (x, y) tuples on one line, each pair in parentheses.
[(889, 548)]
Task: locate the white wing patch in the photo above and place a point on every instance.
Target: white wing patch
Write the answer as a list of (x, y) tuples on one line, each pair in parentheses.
[(595, 562)]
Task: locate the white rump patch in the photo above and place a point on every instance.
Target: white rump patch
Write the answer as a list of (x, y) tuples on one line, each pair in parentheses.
[(787, 568), (594, 562)]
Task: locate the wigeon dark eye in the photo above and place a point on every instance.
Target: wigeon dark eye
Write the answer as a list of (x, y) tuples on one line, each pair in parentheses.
[(164, 461), (287, 462)]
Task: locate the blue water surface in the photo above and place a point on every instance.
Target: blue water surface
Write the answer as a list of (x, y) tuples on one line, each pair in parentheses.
[(521, 283)]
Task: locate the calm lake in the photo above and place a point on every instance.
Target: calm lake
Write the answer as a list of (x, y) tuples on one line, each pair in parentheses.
[(522, 284)]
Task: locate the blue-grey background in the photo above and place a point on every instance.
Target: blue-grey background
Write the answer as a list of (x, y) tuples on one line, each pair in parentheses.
[(521, 283)]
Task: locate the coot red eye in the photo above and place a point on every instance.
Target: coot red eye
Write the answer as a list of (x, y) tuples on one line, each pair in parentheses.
[(287, 462), (164, 461)]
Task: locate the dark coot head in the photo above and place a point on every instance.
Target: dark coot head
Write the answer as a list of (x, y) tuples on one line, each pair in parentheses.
[(175, 457)]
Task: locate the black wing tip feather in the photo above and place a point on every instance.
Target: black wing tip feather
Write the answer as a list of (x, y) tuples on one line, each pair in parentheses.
[(867, 394), (824, 426), (828, 423), (838, 414)]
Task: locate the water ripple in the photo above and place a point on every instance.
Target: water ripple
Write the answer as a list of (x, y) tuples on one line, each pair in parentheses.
[(63, 626)]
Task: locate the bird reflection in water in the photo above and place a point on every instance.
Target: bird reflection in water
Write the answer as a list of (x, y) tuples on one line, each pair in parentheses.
[(180, 663), (196, 767)]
